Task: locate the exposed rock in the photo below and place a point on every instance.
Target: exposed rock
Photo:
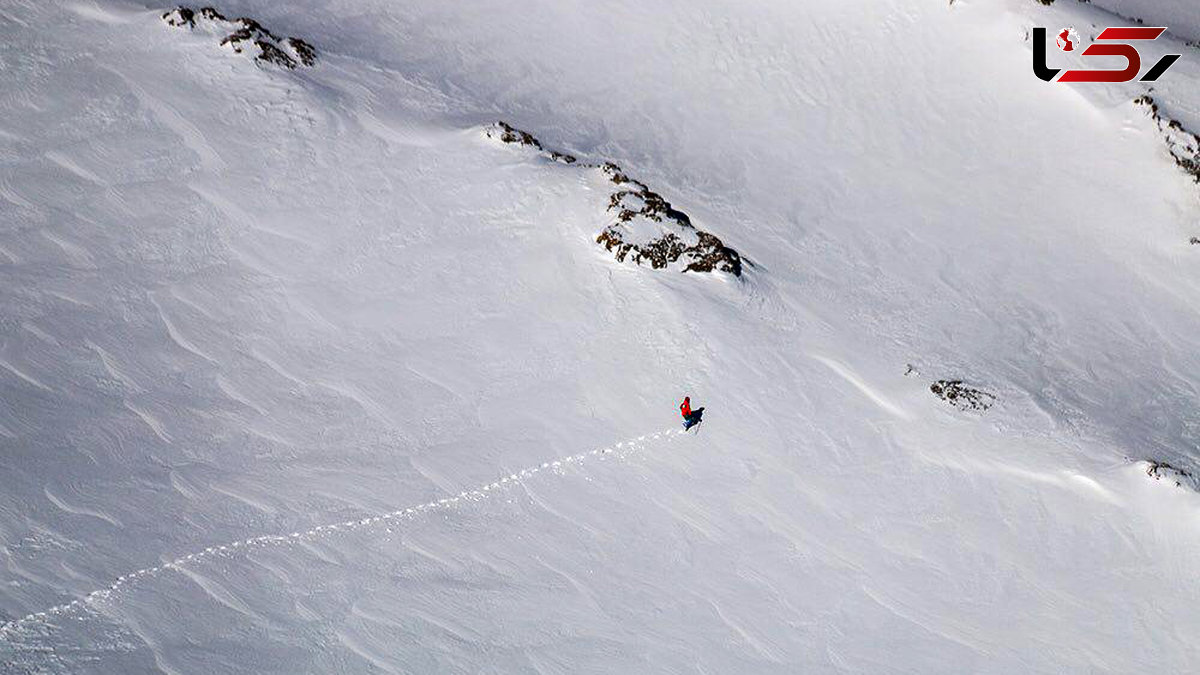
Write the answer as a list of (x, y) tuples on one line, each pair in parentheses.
[(961, 396), (509, 134), (245, 34), (250, 31), (306, 53), (658, 253), (710, 254), (1182, 143), (646, 228), (272, 54), (635, 199), (650, 231), (179, 17), (1181, 477)]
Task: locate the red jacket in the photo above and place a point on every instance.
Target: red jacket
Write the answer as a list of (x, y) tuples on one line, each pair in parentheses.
[(686, 406)]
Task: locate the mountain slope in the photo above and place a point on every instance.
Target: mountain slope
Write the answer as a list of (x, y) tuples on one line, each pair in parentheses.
[(248, 301)]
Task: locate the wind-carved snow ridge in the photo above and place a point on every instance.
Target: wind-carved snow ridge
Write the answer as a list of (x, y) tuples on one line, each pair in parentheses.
[(480, 493), (646, 228)]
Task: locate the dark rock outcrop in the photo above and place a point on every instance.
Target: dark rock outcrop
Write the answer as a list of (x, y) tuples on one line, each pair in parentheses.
[(1182, 143), (510, 134), (650, 231), (304, 52), (1181, 477), (245, 34), (646, 229), (961, 396), (180, 17)]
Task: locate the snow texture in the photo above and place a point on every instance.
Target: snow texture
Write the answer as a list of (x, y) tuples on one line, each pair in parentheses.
[(300, 372)]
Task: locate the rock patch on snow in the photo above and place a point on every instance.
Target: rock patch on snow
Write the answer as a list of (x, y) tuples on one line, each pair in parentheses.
[(1182, 143), (961, 396), (648, 230), (243, 34), (645, 227), (1181, 477), (510, 134)]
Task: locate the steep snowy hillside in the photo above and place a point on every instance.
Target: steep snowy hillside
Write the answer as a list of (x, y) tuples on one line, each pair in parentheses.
[(1182, 17), (308, 364)]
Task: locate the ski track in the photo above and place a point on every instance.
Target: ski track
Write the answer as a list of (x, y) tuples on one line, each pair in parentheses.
[(843, 371), (482, 492)]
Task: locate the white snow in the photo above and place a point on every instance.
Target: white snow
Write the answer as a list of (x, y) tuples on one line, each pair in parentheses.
[(1182, 17), (299, 373)]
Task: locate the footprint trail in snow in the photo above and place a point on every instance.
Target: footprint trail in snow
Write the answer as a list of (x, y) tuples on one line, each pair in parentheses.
[(478, 494)]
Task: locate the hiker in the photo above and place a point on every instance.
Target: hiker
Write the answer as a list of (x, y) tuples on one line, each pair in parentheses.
[(690, 417)]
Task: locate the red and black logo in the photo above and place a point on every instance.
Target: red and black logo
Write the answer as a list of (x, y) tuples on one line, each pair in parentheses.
[(1115, 44)]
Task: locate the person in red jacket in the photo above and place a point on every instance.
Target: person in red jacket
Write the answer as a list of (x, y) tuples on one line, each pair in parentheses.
[(690, 417)]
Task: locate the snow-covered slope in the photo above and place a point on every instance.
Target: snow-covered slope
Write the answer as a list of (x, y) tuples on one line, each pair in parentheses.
[(252, 315), (1182, 17)]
